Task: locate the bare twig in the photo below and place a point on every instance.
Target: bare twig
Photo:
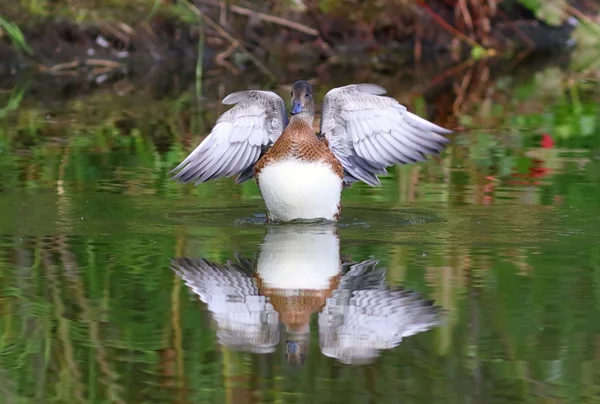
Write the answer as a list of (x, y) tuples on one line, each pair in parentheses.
[(447, 73), (461, 91), (230, 38), (296, 26), (103, 63), (591, 23), (101, 70), (100, 65), (119, 29), (517, 30), (583, 74), (453, 31), (220, 59), (464, 10), (65, 66), (518, 59)]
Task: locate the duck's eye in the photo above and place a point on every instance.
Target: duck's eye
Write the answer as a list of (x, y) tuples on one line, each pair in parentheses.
[(307, 94)]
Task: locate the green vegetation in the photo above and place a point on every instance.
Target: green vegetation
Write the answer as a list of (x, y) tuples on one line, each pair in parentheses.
[(15, 35), (81, 10), (553, 12)]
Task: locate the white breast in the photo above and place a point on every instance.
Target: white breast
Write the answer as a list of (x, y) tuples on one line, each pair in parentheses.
[(296, 189)]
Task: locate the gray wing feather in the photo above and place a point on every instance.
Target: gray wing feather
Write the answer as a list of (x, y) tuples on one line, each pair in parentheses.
[(245, 319), (208, 280), (364, 315), (238, 139), (368, 132)]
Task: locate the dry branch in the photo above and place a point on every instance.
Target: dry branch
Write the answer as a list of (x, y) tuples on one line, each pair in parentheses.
[(104, 64), (230, 38), (264, 17), (453, 31)]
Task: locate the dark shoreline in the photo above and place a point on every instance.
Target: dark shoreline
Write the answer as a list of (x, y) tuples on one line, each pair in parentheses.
[(159, 55), (61, 46)]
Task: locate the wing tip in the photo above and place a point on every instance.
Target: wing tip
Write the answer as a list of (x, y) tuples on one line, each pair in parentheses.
[(371, 88), (372, 181), (441, 139), (235, 97), (185, 177), (241, 178)]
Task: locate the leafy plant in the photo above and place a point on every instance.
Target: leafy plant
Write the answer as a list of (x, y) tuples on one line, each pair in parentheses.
[(552, 12), (16, 36)]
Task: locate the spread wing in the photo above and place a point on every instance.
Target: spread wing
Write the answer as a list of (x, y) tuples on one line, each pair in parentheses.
[(246, 320), (364, 315), (368, 132), (238, 139)]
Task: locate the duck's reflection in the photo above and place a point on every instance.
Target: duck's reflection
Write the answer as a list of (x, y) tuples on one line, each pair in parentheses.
[(299, 272)]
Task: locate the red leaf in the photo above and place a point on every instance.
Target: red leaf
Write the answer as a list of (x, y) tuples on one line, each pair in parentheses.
[(547, 141)]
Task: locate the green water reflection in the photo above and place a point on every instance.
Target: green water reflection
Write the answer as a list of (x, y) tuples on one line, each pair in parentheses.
[(502, 231)]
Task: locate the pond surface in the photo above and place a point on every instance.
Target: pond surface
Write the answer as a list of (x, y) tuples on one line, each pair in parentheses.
[(118, 285)]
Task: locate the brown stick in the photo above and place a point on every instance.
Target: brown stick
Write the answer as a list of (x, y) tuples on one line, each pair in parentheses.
[(220, 59), (592, 24), (230, 38), (517, 30), (461, 90), (265, 17), (64, 66), (69, 66), (464, 10), (447, 73), (101, 70), (453, 31), (102, 62), (124, 34)]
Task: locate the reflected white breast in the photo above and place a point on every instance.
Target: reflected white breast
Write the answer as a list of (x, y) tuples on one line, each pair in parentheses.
[(299, 258)]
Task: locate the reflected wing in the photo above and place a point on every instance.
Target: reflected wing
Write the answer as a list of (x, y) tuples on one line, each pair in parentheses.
[(245, 319), (238, 139), (368, 132), (361, 276), (214, 283), (364, 316)]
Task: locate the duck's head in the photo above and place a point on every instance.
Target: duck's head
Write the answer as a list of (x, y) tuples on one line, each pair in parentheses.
[(302, 99)]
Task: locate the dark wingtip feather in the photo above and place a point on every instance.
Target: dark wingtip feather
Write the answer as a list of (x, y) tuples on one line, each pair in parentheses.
[(185, 177), (245, 175), (445, 131)]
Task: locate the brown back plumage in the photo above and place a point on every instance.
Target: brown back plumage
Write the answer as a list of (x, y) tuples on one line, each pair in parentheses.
[(299, 141)]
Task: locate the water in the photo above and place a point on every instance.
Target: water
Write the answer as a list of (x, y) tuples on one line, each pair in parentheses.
[(104, 261)]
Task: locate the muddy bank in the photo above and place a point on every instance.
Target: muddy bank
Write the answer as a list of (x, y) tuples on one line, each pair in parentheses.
[(274, 40), (157, 58), (61, 47)]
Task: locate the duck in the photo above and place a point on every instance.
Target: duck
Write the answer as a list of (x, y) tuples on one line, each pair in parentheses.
[(300, 173), (299, 272)]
